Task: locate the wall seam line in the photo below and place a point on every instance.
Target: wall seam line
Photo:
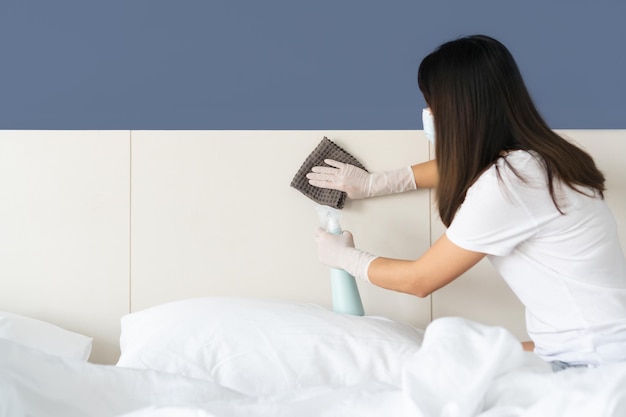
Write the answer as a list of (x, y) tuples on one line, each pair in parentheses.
[(130, 220)]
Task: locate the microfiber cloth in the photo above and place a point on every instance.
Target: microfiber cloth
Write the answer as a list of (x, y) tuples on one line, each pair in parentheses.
[(325, 150)]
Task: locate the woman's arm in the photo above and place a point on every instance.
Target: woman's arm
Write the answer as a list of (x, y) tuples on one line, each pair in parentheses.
[(440, 265), (426, 175)]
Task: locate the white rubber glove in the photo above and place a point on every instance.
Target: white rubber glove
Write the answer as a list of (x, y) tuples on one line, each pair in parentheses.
[(338, 251), (358, 183)]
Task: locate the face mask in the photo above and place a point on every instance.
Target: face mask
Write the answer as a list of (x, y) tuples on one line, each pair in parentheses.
[(429, 125)]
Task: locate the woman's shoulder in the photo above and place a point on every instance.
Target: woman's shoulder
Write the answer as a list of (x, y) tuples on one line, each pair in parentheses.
[(514, 161), (510, 171), (519, 165), (519, 159)]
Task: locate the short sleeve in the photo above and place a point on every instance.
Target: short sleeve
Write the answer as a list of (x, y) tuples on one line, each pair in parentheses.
[(494, 218)]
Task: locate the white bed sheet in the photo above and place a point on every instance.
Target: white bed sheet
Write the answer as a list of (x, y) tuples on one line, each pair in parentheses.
[(462, 369)]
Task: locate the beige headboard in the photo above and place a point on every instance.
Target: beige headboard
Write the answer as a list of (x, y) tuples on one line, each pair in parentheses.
[(96, 224)]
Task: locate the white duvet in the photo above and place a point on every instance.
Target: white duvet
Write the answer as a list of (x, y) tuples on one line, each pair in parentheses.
[(462, 369)]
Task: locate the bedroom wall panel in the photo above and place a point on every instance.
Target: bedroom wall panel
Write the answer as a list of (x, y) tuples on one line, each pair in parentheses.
[(607, 148), (64, 226), (481, 294), (213, 214), (94, 224)]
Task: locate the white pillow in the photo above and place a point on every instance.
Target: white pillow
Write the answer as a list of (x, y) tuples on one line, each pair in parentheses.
[(264, 347), (44, 336)]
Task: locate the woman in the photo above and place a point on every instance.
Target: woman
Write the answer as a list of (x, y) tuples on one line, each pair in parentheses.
[(508, 188)]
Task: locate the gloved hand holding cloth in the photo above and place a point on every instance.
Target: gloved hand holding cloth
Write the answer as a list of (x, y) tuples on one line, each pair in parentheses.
[(358, 183)]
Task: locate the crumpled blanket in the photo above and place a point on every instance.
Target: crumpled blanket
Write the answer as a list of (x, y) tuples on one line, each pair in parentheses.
[(463, 369)]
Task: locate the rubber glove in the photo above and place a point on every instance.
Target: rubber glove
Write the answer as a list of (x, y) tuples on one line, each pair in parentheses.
[(358, 183), (338, 251)]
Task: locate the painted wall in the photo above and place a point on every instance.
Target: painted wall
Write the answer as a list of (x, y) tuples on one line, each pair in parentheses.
[(284, 64)]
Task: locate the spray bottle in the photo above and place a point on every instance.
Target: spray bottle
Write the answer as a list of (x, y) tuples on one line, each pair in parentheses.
[(346, 297)]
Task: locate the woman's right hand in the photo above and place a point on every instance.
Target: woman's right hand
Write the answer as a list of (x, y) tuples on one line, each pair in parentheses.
[(343, 177)]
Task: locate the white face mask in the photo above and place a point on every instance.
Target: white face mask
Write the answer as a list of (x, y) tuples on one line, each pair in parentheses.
[(429, 125)]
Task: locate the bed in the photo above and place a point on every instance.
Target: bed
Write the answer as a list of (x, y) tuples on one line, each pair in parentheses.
[(151, 273), (222, 356)]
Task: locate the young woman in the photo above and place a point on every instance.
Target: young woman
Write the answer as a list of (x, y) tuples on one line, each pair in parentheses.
[(508, 188)]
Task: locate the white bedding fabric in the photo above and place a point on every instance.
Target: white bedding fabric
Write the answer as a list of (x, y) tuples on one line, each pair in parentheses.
[(462, 369), (44, 336), (263, 347)]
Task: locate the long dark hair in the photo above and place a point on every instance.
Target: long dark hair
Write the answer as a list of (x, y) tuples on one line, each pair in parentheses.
[(482, 109)]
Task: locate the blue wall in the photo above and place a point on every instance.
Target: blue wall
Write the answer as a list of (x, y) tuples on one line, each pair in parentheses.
[(272, 64)]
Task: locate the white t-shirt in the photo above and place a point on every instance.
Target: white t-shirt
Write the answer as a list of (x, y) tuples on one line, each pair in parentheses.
[(568, 270)]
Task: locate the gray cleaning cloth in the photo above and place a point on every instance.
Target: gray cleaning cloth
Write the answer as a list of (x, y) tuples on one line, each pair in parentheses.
[(325, 150)]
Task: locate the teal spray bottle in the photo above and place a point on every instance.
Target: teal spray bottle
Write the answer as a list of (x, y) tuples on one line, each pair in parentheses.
[(346, 297)]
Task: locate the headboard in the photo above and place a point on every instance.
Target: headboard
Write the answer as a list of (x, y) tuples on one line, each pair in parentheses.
[(97, 224)]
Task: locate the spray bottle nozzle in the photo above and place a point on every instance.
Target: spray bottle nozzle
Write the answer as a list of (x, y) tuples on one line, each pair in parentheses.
[(329, 218)]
